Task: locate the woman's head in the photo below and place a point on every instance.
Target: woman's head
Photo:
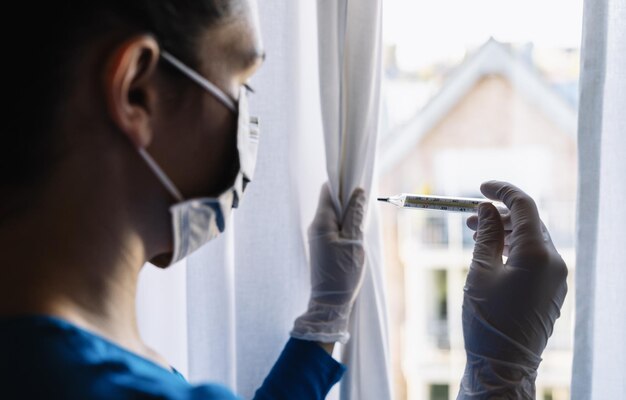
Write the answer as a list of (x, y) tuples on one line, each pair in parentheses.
[(87, 87)]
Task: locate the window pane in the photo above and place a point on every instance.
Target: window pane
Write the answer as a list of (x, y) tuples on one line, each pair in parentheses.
[(439, 392), (472, 91)]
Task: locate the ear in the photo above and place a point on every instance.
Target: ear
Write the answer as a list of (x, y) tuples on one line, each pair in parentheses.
[(129, 87)]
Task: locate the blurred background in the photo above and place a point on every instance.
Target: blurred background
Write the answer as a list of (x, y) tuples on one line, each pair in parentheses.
[(472, 91)]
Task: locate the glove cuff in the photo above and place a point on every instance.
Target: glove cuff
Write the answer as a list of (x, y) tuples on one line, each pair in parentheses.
[(489, 378), (497, 366), (323, 323)]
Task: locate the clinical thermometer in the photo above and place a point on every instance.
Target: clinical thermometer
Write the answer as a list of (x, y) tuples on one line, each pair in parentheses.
[(443, 203)]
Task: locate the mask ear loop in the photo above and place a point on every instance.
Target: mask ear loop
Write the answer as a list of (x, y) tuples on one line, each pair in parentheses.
[(169, 185), (208, 86), (200, 80)]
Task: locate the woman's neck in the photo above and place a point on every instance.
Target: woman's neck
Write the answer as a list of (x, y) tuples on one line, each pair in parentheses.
[(77, 256)]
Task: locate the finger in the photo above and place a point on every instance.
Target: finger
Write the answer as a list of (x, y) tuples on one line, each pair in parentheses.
[(325, 219), (546, 237), (507, 237), (472, 221), (352, 224), (507, 243), (523, 211), (506, 221), (489, 237)]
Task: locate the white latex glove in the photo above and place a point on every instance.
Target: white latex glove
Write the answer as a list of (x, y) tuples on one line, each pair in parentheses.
[(509, 309), (337, 266)]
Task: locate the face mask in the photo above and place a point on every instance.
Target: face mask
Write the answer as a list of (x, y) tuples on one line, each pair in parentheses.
[(197, 221)]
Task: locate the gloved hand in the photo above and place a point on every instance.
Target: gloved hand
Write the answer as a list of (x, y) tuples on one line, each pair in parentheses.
[(337, 265), (509, 309)]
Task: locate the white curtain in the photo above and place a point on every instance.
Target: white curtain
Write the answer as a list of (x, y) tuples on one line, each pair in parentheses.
[(244, 290), (349, 34), (599, 370), (162, 312)]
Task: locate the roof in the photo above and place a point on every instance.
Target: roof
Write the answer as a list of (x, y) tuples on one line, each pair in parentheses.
[(493, 58)]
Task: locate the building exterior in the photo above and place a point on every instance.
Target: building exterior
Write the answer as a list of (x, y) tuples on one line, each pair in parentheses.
[(494, 118)]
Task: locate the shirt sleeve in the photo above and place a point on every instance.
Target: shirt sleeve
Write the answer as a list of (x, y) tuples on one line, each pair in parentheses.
[(303, 371)]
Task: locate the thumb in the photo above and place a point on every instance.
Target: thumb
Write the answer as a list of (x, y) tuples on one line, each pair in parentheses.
[(351, 226), (489, 237), (325, 220)]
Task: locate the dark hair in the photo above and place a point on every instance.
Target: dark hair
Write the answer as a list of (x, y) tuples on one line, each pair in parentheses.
[(40, 70)]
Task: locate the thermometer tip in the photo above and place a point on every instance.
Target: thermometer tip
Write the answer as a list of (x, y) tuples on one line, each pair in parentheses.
[(383, 199)]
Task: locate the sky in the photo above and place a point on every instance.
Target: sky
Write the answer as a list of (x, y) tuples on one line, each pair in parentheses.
[(429, 31)]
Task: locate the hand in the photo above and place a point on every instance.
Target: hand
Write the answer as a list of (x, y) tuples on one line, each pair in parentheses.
[(509, 309), (337, 266)]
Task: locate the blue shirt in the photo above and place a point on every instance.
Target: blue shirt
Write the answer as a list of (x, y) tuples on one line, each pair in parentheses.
[(49, 358)]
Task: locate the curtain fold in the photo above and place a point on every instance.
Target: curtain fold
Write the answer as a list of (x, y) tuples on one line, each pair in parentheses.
[(600, 331), (245, 289), (211, 312), (161, 312), (349, 37)]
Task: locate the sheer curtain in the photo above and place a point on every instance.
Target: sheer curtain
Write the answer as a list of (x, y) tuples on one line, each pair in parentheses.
[(245, 290), (600, 333), (349, 33), (162, 312)]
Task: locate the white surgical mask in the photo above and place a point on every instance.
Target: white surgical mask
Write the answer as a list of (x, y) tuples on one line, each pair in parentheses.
[(197, 221)]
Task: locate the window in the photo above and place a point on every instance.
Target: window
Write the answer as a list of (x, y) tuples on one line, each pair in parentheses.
[(472, 91), (434, 231), (555, 394), (439, 392), (438, 321)]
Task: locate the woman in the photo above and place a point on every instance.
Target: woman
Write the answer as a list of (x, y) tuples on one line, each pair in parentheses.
[(129, 141), (135, 148)]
